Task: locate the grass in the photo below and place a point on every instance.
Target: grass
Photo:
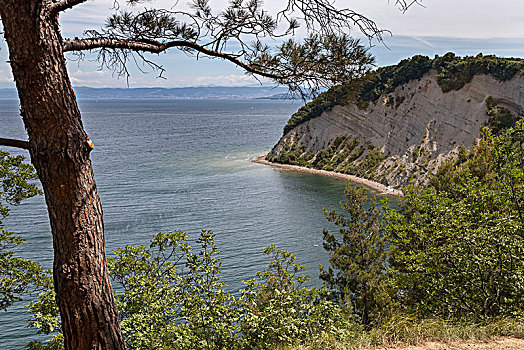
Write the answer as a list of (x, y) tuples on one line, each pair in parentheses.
[(407, 330)]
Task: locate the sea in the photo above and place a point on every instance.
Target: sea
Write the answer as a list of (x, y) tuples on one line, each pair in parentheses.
[(164, 165)]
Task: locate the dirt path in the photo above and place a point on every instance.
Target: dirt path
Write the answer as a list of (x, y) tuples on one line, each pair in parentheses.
[(500, 343)]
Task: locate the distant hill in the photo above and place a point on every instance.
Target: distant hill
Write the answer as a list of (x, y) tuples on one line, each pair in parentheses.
[(212, 92), (8, 94), (283, 96)]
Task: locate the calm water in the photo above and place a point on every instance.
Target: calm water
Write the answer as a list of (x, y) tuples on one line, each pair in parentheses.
[(186, 165)]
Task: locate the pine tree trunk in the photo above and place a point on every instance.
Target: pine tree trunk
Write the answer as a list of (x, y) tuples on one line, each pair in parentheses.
[(60, 149)]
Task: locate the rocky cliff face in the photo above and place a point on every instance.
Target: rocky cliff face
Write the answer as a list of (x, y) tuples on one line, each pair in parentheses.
[(406, 134)]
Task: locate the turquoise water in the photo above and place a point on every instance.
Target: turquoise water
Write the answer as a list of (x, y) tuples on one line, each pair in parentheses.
[(168, 165)]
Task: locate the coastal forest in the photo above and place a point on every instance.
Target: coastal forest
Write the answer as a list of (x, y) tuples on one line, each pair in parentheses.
[(447, 263)]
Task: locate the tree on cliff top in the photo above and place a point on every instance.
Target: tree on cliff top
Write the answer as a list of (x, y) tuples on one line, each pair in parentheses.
[(60, 148)]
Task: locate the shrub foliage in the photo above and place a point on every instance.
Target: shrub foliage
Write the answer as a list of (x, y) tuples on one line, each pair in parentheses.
[(170, 297), (17, 276), (456, 247), (357, 256)]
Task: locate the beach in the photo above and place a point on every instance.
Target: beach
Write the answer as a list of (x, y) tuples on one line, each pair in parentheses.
[(377, 186)]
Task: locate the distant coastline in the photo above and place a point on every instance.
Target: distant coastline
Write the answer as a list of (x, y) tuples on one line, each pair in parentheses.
[(383, 189), (181, 93)]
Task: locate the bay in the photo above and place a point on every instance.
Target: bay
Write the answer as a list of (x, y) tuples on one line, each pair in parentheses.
[(164, 165)]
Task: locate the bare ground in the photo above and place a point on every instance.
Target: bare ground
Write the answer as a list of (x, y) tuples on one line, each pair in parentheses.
[(499, 343)]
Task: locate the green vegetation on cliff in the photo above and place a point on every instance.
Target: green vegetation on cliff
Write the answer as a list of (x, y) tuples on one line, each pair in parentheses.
[(323, 102), (345, 155), (453, 72), (500, 118)]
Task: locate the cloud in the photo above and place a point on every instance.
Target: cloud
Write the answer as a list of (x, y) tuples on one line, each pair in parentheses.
[(226, 80), (448, 18), (95, 78), (6, 76), (106, 79), (425, 42)]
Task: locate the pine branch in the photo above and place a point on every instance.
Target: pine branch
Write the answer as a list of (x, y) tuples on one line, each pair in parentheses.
[(14, 143), (158, 47), (64, 5)]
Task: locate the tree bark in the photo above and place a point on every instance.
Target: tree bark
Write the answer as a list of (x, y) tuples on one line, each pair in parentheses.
[(59, 149)]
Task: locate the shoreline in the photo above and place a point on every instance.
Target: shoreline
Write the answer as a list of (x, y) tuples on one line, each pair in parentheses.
[(377, 186)]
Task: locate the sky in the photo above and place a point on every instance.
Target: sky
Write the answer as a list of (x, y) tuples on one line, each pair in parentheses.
[(465, 27)]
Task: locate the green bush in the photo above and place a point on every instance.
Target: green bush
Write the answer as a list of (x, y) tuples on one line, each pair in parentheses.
[(370, 163), (171, 297), (386, 79), (456, 246), (500, 118), (357, 256), (280, 310), (454, 72), (321, 103), (17, 276)]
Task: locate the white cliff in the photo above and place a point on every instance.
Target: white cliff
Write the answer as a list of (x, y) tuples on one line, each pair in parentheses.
[(416, 127)]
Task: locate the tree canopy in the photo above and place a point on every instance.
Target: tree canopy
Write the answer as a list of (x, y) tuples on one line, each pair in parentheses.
[(17, 276)]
